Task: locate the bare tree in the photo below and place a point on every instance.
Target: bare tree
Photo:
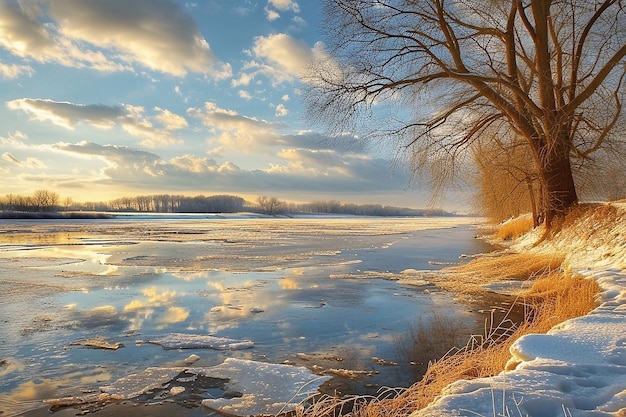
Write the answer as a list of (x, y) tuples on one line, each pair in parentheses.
[(435, 75), (270, 205), (45, 200)]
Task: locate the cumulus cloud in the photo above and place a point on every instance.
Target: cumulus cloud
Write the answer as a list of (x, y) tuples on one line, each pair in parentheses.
[(233, 130), (67, 115), (301, 171), (15, 139), (110, 35), (199, 165), (131, 119), (245, 95), (273, 8), (281, 110), (122, 164), (13, 71), (283, 58), (169, 120), (30, 162)]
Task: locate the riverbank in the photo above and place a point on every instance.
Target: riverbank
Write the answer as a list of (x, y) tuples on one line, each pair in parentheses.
[(579, 367)]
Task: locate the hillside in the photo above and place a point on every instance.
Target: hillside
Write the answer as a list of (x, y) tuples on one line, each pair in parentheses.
[(579, 367)]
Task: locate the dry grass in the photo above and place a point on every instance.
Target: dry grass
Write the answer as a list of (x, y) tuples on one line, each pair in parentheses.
[(468, 278), (552, 299), (514, 228)]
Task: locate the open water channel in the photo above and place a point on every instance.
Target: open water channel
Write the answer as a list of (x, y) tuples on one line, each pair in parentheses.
[(324, 293)]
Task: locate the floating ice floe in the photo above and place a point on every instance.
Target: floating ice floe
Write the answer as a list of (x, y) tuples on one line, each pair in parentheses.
[(267, 389), (134, 385), (98, 343), (197, 341)]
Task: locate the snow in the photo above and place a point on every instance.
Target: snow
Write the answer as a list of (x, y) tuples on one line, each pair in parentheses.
[(266, 389), (579, 367), (197, 341)]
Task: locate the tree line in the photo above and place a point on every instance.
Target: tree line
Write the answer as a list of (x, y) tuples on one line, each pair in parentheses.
[(46, 201)]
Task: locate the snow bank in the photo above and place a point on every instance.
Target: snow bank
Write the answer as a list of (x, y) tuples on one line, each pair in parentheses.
[(579, 367)]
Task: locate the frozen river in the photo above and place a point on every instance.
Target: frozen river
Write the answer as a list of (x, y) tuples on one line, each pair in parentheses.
[(324, 293)]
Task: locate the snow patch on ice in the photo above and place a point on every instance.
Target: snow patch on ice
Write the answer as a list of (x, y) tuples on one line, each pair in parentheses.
[(267, 388), (136, 384)]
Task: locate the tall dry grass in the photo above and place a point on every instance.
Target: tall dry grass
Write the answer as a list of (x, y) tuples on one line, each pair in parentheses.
[(469, 278), (514, 228)]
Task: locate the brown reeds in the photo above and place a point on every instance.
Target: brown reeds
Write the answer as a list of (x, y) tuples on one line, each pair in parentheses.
[(470, 277), (514, 228)]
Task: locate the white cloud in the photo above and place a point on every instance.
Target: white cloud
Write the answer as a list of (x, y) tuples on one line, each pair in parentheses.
[(235, 131), (274, 6), (244, 95), (283, 58), (271, 14), (130, 118), (15, 140), (285, 98), (13, 71), (110, 35), (285, 5), (67, 115), (191, 163), (243, 80), (30, 162), (169, 120), (10, 158), (281, 110)]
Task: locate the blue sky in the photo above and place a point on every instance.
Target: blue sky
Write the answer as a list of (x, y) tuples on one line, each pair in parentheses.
[(102, 99)]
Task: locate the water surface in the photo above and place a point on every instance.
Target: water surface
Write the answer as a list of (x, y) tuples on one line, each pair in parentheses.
[(307, 291)]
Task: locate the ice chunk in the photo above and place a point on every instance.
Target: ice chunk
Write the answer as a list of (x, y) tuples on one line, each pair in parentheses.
[(98, 343), (136, 384), (198, 341), (192, 359), (267, 388)]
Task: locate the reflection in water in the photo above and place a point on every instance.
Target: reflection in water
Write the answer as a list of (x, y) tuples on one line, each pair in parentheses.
[(265, 280)]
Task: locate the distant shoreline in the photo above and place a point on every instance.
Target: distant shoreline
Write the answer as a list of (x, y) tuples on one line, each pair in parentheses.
[(46, 215), (62, 215)]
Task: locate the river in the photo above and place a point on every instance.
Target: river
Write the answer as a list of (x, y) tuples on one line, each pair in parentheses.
[(321, 292)]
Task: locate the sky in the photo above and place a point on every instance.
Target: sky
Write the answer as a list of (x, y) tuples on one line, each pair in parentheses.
[(104, 99)]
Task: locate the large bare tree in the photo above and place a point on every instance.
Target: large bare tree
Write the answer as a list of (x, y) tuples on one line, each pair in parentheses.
[(437, 75)]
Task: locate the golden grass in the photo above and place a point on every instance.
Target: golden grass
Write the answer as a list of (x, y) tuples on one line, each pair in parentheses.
[(514, 228), (468, 278), (552, 299)]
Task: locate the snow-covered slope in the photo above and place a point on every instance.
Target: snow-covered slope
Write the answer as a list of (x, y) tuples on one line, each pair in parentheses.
[(579, 367)]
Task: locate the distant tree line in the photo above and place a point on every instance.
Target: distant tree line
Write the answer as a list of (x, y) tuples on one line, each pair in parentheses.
[(46, 201), (274, 206), (168, 203), (40, 201)]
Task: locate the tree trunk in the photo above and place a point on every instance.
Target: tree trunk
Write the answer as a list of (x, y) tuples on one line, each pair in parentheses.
[(533, 201), (559, 190)]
